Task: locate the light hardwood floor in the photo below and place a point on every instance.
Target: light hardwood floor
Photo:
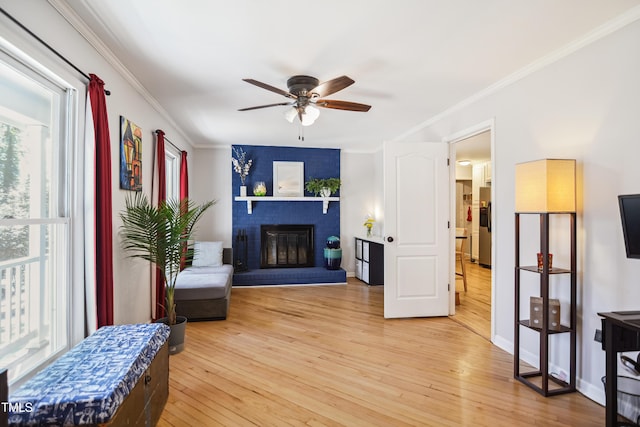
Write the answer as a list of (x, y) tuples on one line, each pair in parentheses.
[(325, 356), (474, 311)]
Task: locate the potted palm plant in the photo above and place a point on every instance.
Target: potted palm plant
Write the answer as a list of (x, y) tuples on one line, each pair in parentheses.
[(161, 234)]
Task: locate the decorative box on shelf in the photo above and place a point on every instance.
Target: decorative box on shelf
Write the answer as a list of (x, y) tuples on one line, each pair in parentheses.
[(536, 313)]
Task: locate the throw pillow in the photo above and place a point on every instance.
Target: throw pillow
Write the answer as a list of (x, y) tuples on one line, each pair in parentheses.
[(207, 254)]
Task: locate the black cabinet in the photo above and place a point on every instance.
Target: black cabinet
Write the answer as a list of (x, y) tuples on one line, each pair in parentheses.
[(620, 333), (369, 261), (541, 379)]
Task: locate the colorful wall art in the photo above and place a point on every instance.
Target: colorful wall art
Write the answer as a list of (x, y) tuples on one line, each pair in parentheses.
[(130, 155)]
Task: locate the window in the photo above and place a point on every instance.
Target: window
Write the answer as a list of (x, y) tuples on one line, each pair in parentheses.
[(34, 218), (172, 171)]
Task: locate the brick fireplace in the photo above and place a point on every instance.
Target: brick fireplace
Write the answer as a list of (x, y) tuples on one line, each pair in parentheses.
[(318, 163)]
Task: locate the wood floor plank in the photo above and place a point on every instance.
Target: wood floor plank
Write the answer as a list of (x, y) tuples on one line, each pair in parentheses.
[(474, 311), (325, 356)]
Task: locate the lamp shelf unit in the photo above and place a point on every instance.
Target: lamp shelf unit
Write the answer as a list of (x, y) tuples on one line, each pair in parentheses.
[(543, 377), (547, 189), (250, 199)]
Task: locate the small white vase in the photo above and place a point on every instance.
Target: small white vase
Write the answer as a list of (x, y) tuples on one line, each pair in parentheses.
[(243, 191), (325, 192)]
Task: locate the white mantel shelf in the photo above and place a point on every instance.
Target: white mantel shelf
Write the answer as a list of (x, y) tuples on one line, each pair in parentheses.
[(250, 199)]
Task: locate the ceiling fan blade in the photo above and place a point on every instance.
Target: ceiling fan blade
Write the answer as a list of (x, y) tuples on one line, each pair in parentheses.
[(271, 88), (342, 105), (332, 86), (265, 106)]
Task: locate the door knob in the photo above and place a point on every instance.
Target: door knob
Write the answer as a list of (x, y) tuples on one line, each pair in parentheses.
[(389, 239)]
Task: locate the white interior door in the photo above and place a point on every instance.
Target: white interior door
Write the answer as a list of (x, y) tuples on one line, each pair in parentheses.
[(416, 207)]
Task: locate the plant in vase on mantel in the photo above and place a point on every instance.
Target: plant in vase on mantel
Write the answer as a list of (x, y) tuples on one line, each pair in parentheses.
[(260, 189), (241, 166), (323, 187)]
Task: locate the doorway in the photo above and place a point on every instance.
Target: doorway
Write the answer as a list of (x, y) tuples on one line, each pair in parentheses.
[(473, 215)]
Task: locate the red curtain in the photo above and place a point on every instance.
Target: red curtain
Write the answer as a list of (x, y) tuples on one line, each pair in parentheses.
[(162, 196), (184, 194), (103, 210), (184, 177)]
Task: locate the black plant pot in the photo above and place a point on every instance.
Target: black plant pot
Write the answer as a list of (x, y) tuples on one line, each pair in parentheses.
[(177, 335)]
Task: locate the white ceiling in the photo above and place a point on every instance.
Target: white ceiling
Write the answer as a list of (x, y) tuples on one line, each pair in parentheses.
[(410, 59)]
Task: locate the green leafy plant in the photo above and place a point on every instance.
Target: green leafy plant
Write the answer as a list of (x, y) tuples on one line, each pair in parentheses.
[(315, 185), (161, 235)]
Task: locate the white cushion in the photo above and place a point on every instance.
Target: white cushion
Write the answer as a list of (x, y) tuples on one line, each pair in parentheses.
[(207, 254)]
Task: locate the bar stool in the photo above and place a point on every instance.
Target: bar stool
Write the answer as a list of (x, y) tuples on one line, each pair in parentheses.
[(461, 239)]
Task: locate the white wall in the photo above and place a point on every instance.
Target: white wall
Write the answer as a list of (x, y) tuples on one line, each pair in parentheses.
[(359, 196), (211, 179), (132, 291), (584, 106)]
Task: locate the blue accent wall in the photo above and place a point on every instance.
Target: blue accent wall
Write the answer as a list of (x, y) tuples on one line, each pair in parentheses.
[(318, 163)]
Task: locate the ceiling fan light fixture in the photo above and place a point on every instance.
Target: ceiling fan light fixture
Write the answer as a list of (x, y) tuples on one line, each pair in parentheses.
[(291, 114), (309, 115), (307, 94)]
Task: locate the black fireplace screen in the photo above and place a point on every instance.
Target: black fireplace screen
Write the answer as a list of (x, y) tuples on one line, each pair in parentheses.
[(286, 245)]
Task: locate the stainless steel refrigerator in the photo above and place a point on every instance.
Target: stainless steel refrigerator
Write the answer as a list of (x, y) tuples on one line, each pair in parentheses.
[(484, 242)]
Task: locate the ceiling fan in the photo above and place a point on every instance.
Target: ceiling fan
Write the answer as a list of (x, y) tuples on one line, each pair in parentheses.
[(307, 93)]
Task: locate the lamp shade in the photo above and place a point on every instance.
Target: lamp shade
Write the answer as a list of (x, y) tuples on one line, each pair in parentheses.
[(290, 114), (309, 115), (547, 185)]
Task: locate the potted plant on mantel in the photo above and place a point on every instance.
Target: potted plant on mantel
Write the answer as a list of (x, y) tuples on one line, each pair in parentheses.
[(324, 187), (161, 235)]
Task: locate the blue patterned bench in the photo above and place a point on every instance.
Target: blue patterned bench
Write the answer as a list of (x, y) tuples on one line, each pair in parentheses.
[(119, 376)]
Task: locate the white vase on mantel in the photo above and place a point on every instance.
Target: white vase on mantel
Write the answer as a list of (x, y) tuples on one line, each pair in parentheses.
[(243, 191), (325, 192)]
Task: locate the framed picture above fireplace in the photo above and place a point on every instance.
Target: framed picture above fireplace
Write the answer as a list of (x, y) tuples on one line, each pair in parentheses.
[(288, 179)]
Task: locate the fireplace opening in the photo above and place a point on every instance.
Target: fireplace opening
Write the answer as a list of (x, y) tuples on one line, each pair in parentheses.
[(286, 245)]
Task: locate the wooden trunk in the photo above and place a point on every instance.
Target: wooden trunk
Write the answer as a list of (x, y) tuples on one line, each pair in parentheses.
[(146, 401)]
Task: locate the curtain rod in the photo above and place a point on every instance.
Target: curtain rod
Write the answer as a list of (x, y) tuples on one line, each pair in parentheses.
[(171, 143), (45, 44)]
